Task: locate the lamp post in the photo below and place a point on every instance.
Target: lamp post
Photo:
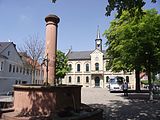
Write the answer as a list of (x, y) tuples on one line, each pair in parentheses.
[(45, 62)]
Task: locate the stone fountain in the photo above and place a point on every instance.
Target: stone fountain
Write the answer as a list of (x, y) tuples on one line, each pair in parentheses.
[(50, 102)]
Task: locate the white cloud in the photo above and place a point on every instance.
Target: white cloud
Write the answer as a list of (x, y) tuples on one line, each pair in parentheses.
[(24, 19)]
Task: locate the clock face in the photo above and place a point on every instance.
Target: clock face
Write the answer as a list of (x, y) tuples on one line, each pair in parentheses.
[(98, 42)]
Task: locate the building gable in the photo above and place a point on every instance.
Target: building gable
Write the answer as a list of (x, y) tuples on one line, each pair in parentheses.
[(96, 51), (8, 49), (3, 46)]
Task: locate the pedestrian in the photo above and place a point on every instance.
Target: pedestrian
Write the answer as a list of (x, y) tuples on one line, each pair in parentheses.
[(125, 88)]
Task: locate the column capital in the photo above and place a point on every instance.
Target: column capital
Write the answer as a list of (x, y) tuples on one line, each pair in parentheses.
[(52, 18)]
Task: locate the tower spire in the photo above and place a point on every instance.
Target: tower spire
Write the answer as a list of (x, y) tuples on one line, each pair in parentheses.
[(98, 40), (98, 33)]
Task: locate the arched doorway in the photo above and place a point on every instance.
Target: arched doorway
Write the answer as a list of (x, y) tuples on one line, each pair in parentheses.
[(97, 81)]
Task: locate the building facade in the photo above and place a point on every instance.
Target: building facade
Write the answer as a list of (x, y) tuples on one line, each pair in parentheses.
[(88, 68), (13, 68)]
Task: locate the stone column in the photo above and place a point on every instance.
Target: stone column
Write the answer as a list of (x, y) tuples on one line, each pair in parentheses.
[(51, 47)]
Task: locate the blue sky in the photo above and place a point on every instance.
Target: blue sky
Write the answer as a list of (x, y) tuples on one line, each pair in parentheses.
[(77, 28)]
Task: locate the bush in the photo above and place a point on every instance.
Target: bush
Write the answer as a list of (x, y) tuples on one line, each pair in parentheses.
[(145, 82)]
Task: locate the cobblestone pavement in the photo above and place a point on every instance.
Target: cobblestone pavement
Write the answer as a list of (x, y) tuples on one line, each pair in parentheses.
[(117, 107)]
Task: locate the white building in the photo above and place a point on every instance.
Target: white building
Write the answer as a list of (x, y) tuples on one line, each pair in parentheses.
[(13, 69), (89, 68)]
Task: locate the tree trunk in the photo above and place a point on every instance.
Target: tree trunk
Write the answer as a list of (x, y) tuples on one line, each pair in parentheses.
[(57, 81), (153, 76), (150, 85), (33, 75), (137, 80), (61, 81)]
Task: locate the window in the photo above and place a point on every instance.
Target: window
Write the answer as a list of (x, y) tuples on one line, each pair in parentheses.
[(16, 82), (70, 66), (17, 70), (24, 82), (13, 68), (78, 79), (31, 72), (87, 67), (9, 53), (36, 72), (27, 71), (1, 66), (70, 79), (78, 67), (127, 78), (20, 69), (23, 70), (10, 67), (96, 66), (19, 81), (87, 79), (107, 65), (107, 78)]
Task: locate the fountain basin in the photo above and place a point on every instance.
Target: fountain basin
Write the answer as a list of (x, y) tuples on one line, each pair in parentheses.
[(46, 101), (35, 102)]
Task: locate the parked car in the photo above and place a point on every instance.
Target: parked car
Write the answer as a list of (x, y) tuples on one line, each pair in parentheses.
[(116, 84)]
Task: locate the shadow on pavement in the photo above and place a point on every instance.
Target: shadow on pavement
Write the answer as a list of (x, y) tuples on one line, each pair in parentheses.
[(138, 108)]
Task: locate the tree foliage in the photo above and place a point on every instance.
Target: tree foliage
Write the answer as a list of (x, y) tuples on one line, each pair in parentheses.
[(122, 5), (129, 5), (133, 43), (61, 65)]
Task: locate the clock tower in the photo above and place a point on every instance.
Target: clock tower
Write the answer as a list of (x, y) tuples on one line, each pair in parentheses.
[(98, 41)]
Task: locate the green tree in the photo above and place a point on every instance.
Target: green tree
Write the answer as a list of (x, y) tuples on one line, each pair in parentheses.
[(61, 66), (129, 5), (121, 5), (133, 44)]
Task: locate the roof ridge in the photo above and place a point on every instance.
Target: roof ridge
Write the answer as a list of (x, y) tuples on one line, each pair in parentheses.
[(82, 51)]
